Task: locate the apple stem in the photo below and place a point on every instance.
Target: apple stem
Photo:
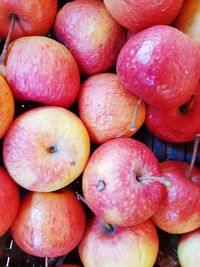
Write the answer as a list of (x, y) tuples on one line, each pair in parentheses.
[(133, 126), (46, 262), (13, 18), (162, 180), (109, 228), (81, 198), (194, 154)]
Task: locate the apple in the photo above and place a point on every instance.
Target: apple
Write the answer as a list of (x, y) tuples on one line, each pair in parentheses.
[(49, 224), (179, 124), (179, 211), (7, 107), (188, 19), (122, 182), (107, 109), (40, 69), (160, 65), (32, 17), (91, 34), (46, 148), (9, 201), (189, 249), (138, 15), (103, 245)]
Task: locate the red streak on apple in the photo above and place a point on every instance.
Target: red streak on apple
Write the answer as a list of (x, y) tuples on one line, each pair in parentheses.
[(41, 69), (118, 185), (160, 65), (49, 224)]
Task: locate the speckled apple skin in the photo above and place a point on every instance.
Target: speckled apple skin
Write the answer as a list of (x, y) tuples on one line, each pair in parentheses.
[(160, 65), (123, 201), (41, 69), (9, 201), (179, 211), (26, 148), (91, 34), (49, 224), (189, 249), (35, 17), (106, 108), (127, 246), (139, 15)]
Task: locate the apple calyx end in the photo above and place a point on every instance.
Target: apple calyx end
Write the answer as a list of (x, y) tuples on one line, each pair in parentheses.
[(100, 186)]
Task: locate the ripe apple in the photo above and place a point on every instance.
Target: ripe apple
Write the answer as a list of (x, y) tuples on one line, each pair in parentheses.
[(179, 124), (46, 148), (188, 19), (107, 109), (121, 182), (179, 211), (105, 246), (41, 69), (138, 15), (160, 65), (49, 224), (9, 201), (7, 107), (189, 249), (33, 17), (91, 34)]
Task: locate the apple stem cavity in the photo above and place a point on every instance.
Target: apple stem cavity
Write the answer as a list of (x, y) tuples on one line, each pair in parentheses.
[(161, 180), (194, 154), (109, 228), (186, 107), (46, 262), (13, 18), (133, 126)]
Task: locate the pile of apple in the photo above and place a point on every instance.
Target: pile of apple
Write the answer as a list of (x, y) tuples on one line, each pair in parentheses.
[(124, 66)]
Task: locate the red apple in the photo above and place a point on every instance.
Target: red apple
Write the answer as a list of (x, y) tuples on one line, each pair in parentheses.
[(105, 246), (179, 211), (33, 17), (49, 224), (9, 201), (46, 148), (179, 124), (160, 65), (138, 15), (120, 182), (189, 249), (90, 32), (40, 69), (107, 109)]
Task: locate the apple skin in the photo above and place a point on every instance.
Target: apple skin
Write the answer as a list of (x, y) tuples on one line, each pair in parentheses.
[(34, 17), (46, 148), (189, 248), (7, 107), (117, 182), (125, 246), (144, 66), (138, 15), (106, 108), (9, 201), (188, 20), (167, 125), (49, 224), (91, 34), (179, 211), (42, 70)]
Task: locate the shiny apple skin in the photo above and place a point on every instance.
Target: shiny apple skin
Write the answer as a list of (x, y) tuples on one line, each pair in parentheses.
[(106, 108), (126, 246), (9, 201), (160, 65), (46, 148), (179, 211), (139, 15), (91, 34), (110, 182), (49, 224), (42, 70), (188, 249), (34, 17)]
